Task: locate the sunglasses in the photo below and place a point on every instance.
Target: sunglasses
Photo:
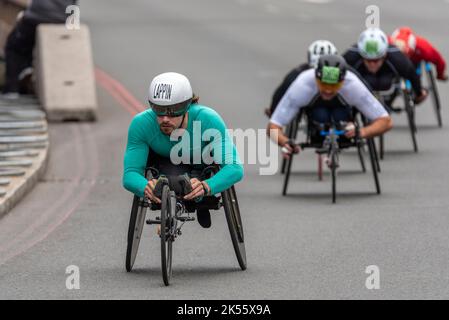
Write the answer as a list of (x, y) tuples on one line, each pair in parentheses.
[(175, 110), (329, 87)]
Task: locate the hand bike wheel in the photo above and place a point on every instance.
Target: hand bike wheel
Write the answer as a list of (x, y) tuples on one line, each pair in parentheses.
[(136, 223), (232, 212), (168, 207)]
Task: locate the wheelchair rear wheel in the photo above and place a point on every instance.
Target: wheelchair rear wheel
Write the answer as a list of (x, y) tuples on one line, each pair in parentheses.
[(381, 146), (435, 96), (374, 163), (409, 109), (360, 151), (232, 212), (136, 223), (288, 132)]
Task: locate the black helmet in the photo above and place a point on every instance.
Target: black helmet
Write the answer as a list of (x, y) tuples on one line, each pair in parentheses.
[(331, 69)]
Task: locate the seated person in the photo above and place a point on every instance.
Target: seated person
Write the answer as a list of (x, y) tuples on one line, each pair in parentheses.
[(316, 49), (329, 82), (20, 43), (419, 49), (321, 114), (380, 64), (175, 113)]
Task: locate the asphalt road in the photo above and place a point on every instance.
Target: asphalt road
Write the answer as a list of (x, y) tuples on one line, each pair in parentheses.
[(298, 247)]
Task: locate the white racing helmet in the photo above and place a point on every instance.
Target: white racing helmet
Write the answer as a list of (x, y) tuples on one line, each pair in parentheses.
[(319, 48), (372, 44), (170, 94)]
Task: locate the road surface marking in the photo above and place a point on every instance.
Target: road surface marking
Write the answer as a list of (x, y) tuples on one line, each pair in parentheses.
[(22, 239), (118, 92), (22, 242)]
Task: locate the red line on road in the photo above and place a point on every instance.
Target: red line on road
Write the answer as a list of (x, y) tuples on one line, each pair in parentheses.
[(77, 201), (51, 212), (133, 106), (118, 92)]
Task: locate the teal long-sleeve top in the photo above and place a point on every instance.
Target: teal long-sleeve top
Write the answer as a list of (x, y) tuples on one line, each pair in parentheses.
[(206, 133)]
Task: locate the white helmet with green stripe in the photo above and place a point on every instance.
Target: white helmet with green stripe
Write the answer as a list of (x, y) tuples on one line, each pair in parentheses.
[(373, 44)]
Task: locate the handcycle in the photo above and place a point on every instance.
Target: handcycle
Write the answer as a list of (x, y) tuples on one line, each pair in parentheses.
[(331, 142), (175, 212), (404, 88)]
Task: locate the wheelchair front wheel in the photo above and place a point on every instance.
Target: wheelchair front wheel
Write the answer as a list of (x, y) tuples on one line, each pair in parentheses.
[(168, 229), (333, 168)]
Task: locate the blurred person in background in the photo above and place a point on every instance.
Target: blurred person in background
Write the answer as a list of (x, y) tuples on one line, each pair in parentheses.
[(379, 64), (314, 52), (21, 41), (419, 49)]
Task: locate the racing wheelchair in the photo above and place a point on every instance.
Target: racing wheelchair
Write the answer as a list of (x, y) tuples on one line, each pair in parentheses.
[(402, 88), (175, 212), (329, 140)]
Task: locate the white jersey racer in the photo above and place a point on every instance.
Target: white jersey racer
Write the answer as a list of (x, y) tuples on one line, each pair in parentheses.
[(304, 90)]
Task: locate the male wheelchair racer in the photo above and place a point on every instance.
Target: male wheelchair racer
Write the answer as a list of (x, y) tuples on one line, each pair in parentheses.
[(328, 139), (175, 211)]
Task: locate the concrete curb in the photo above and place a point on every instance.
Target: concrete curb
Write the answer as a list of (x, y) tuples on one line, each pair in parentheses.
[(18, 180)]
